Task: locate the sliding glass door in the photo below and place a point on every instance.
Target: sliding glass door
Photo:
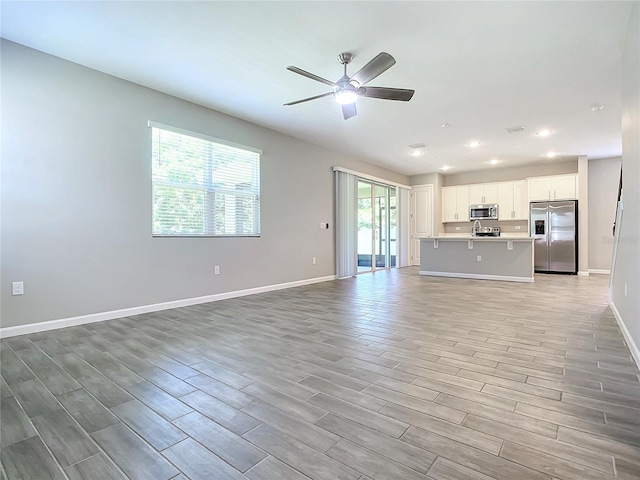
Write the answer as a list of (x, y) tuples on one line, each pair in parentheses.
[(377, 226)]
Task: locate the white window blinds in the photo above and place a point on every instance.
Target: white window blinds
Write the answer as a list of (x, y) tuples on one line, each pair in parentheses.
[(203, 186)]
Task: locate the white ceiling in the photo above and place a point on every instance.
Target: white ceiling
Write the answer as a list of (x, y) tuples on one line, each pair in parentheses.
[(479, 66)]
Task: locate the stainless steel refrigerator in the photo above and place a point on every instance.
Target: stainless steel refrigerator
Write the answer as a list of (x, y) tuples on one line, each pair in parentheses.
[(554, 226)]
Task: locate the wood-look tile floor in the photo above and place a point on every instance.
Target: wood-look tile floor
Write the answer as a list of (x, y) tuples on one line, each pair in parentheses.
[(385, 376)]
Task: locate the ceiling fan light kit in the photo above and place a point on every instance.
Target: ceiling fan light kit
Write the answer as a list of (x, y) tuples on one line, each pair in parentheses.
[(346, 95), (347, 89)]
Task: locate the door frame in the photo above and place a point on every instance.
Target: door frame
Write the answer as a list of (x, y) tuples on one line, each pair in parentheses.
[(413, 234), (374, 226)]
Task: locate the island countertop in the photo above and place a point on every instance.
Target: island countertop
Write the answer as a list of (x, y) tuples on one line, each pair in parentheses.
[(468, 236), (507, 257)]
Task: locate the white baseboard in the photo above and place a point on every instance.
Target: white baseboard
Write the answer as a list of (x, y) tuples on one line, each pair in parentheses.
[(7, 332), (635, 352), (583, 274), (475, 276), (599, 271)]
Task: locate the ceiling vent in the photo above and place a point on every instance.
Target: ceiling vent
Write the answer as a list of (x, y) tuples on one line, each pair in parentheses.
[(514, 129)]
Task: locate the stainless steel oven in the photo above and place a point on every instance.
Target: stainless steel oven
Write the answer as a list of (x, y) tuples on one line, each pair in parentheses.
[(483, 212)]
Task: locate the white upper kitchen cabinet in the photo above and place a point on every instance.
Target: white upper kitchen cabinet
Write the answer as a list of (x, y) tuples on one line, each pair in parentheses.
[(483, 193), (555, 187), (565, 187), (513, 201), (455, 204), (520, 200)]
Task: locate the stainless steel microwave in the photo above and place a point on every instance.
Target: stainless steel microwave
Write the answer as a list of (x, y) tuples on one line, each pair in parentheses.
[(483, 212)]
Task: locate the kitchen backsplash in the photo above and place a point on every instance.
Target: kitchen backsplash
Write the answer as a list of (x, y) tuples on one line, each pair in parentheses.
[(505, 226)]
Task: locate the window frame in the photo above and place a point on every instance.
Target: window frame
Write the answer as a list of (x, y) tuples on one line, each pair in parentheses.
[(209, 189)]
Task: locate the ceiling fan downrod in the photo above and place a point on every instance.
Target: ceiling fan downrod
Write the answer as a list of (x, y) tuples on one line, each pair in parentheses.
[(345, 58)]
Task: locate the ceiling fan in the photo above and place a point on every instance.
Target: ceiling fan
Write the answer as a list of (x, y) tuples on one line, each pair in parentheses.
[(347, 89)]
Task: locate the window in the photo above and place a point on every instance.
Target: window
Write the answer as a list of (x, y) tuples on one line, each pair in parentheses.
[(203, 186)]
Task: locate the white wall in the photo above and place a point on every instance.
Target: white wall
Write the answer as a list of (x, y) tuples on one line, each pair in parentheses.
[(435, 179), (626, 274), (76, 197), (507, 174), (604, 175)]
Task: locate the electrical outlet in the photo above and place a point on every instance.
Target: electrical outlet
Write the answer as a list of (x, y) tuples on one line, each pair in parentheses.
[(17, 288), (313, 260), (517, 227), (479, 257), (216, 270), (457, 229)]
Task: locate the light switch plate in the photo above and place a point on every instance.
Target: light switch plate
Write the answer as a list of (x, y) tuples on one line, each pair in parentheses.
[(17, 288)]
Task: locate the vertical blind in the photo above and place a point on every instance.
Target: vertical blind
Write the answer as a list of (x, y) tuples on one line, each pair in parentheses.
[(202, 187), (346, 206)]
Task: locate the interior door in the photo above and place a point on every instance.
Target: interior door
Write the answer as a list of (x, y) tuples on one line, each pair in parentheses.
[(422, 211)]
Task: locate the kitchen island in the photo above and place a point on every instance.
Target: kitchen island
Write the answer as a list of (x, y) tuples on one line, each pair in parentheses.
[(507, 258)]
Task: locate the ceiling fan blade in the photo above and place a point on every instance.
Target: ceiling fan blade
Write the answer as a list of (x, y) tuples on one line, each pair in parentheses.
[(349, 110), (307, 99), (402, 94), (310, 75), (379, 64)]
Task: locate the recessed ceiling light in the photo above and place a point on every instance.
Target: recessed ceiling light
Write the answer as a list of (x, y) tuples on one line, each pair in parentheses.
[(596, 107), (445, 125), (417, 149), (494, 161), (551, 154), (445, 167), (474, 143), (543, 133)]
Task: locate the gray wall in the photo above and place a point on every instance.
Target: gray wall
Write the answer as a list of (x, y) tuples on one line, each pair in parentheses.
[(604, 175), (76, 197), (627, 265), (489, 175)]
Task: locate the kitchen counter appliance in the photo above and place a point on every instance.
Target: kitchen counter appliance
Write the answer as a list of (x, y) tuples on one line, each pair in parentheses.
[(554, 226), (487, 232), (483, 212)]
